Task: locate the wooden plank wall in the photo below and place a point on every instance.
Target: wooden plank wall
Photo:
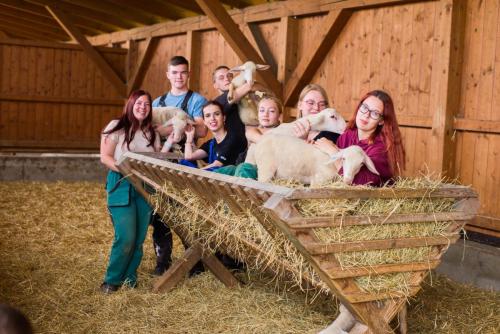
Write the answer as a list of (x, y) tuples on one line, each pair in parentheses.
[(53, 97), (395, 48)]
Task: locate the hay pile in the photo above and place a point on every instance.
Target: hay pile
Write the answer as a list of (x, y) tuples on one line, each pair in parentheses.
[(233, 233), (54, 243), (280, 256)]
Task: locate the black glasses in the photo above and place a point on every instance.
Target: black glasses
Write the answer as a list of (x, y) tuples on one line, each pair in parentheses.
[(374, 114), (321, 104)]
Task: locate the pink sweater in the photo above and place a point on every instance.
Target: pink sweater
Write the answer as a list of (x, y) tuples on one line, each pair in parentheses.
[(376, 151)]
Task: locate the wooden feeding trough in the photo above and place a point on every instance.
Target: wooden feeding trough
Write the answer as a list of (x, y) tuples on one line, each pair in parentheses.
[(277, 209)]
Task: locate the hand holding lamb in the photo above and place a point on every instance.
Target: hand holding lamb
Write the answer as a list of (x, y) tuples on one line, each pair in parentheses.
[(326, 120), (288, 157), (247, 105), (176, 117)]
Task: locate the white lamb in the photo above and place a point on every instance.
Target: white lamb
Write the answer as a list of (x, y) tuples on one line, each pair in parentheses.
[(288, 157), (247, 105), (178, 118), (326, 120)]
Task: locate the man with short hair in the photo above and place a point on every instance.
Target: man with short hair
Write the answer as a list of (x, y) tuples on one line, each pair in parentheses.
[(181, 96), (191, 102), (221, 78)]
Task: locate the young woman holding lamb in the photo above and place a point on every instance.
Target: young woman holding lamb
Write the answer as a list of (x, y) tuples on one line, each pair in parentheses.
[(222, 149), (130, 213), (312, 99), (373, 127)]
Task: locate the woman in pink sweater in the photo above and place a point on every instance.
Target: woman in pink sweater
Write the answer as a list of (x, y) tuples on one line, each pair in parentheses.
[(374, 128)]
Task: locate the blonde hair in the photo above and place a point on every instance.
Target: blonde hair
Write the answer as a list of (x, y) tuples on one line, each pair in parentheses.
[(273, 98), (306, 90)]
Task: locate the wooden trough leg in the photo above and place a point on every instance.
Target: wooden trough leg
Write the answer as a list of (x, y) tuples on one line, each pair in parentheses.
[(403, 326), (181, 267)]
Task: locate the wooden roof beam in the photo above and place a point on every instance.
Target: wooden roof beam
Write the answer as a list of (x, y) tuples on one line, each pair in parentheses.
[(326, 35), (110, 9), (183, 4), (94, 55), (3, 34), (235, 3), (53, 33), (237, 40), (86, 13), (152, 9), (138, 74), (24, 33)]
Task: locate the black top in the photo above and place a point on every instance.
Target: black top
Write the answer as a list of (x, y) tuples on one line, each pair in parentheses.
[(227, 150), (233, 121), (331, 136)]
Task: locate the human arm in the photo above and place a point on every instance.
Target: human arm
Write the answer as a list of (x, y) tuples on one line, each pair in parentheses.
[(107, 151), (216, 163), (200, 128), (253, 134), (190, 151), (329, 148), (301, 128), (239, 92)]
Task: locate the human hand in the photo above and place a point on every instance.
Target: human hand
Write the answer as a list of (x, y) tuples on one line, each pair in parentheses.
[(189, 133), (326, 146), (301, 128)]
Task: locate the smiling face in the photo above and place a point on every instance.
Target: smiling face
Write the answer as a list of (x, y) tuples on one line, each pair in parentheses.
[(142, 108), (213, 118), (369, 116), (312, 103), (269, 113), (178, 76), (222, 79)]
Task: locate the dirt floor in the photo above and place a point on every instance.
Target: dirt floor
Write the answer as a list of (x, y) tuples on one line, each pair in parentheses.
[(54, 243)]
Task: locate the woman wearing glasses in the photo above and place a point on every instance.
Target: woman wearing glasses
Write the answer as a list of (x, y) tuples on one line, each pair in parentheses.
[(312, 100), (374, 128)]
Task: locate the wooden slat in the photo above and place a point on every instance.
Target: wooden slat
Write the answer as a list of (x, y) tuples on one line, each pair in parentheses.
[(60, 99), (193, 45), (482, 230), (287, 56), (327, 34), (94, 55), (318, 222), (54, 45), (141, 67), (447, 191), (347, 272), (363, 297), (237, 40), (357, 246), (446, 76)]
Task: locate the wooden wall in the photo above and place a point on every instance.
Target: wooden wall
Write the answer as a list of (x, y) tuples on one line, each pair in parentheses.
[(53, 97), (409, 50)]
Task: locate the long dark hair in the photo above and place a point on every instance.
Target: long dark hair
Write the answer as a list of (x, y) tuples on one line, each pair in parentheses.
[(130, 124), (389, 130)]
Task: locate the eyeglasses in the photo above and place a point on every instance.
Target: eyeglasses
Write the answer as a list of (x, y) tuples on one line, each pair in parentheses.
[(321, 104), (374, 114)]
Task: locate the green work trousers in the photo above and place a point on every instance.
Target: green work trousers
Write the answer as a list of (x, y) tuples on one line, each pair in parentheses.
[(131, 215), (245, 170)]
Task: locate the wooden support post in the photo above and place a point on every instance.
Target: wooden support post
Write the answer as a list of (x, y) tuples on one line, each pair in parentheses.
[(327, 33), (287, 53), (94, 55), (237, 40), (264, 49), (138, 74), (193, 44), (446, 82), (402, 315)]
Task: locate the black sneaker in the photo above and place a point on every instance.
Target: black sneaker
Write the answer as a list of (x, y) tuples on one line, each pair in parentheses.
[(109, 288), (160, 269)]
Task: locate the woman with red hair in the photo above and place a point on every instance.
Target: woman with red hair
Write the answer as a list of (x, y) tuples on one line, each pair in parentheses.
[(374, 128), (130, 213)]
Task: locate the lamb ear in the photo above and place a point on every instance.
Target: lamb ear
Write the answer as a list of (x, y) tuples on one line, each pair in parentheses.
[(262, 67), (334, 157), (370, 165), (237, 69)]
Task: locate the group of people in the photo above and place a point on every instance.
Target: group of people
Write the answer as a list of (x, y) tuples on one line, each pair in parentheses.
[(372, 126)]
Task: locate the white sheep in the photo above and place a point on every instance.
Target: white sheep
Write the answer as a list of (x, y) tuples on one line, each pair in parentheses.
[(326, 120), (178, 118), (247, 105), (289, 157)]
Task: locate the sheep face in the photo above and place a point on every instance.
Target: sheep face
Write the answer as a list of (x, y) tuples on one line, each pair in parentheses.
[(330, 120), (353, 158), (178, 118)]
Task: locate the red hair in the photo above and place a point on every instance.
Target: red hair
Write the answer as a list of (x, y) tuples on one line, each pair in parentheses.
[(130, 124), (389, 131)]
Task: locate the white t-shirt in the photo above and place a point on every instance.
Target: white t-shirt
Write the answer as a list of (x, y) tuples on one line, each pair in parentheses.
[(138, 144)]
